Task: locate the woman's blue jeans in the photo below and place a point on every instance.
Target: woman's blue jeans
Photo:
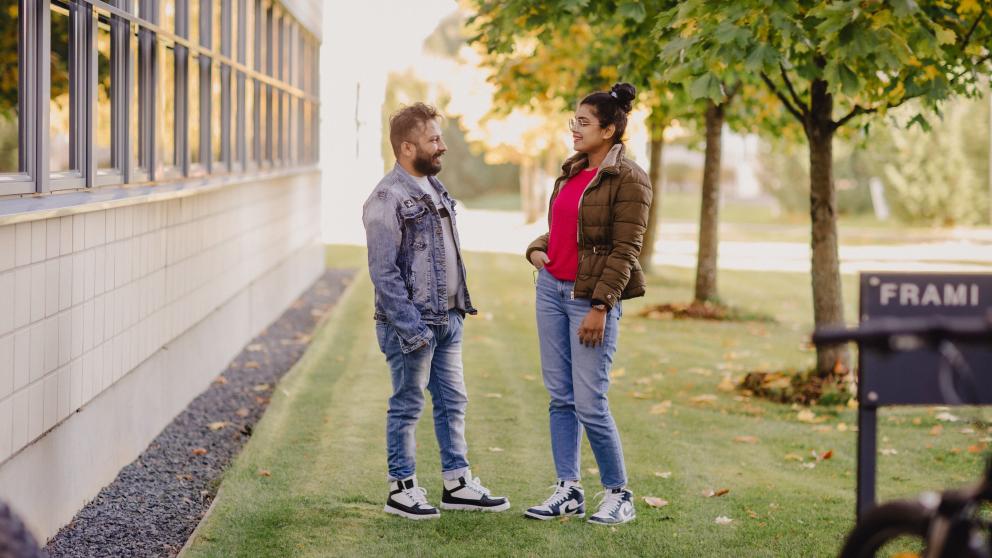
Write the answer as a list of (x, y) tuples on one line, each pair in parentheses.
[(577, 379)]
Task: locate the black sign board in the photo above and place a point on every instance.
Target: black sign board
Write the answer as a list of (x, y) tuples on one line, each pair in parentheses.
[(911, 377)]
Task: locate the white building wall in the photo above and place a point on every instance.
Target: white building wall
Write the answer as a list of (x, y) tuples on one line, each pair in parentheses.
[(112, 320)]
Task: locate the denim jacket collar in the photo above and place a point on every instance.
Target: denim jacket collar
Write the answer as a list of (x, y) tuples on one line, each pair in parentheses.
[(415, 191)]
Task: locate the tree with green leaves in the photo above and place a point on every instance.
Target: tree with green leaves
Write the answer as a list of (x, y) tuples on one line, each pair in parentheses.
[(561, 50), (832, 65)]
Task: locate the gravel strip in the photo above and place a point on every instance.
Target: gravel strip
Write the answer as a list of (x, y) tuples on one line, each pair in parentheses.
[(155, 502)]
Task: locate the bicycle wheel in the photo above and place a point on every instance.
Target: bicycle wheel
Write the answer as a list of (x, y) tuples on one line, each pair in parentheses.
[(891, 529), (15, 539)]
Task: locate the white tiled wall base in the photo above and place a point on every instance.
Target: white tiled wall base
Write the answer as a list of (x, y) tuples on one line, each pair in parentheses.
[(123, 316)]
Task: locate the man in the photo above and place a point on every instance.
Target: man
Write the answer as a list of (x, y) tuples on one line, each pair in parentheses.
[(420, 303)]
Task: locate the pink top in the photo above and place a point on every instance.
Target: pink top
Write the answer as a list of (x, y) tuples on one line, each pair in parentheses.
[(563, 243)]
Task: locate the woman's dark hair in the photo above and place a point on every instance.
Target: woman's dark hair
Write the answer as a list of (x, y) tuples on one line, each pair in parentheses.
[(612, 107)]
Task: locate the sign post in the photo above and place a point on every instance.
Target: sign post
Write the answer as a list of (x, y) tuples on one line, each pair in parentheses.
[(910, 377)]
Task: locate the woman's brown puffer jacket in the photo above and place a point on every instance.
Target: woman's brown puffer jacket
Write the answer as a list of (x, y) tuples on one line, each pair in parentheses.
[(613, 215)]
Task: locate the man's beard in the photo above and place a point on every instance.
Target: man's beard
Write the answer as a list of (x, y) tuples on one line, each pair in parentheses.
[(426, 164)]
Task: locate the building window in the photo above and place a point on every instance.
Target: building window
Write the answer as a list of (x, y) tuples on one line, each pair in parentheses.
[(63, 109), (216, 117), (125, 91), (166, 148), (103, 147), (193, 102), (11, 159)]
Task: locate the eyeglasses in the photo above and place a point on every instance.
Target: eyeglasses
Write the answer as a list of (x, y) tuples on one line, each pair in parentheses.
[(576, 123)]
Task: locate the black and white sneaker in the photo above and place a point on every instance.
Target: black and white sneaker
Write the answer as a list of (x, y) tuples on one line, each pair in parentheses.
[(617, 507), (567, 499), (408, 500), (467, 493)]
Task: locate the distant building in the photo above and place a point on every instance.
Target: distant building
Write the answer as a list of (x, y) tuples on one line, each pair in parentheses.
[(159, 206)]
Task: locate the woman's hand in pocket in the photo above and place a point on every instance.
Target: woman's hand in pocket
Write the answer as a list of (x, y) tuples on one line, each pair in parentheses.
[(539, 259)]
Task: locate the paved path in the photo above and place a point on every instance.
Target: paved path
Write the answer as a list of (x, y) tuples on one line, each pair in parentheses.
[(896, 250)]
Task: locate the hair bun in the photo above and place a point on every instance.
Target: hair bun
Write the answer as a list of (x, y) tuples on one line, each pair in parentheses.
[(624, 94)]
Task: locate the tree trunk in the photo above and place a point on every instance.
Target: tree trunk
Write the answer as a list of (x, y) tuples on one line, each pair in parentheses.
[(654, 175), (706, 260), (828, 303), (527, 186)]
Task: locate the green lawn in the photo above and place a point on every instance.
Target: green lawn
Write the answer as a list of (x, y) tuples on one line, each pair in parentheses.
[(322, 440)]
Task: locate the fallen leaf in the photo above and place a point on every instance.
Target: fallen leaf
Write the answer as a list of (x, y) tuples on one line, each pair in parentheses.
[(529, 377), (262, 387), (592, 471), (220, 380), (643, 381), (937, 430), (639, 395), (199, 451), (793, 457), (495, 449), (264, 473), (494, 395), (661, 408), (977, 448), (618, 373), (721, 492), (752, 514), (726, 384), (917, 421), (841, 427), (655, 502), (805, 415), (663, 474), (746, 439), (710, 493), (723, 520), (946, 417), (705, 399), (217, 425), (888, 451), (809, 465), (826, 455), (967, 431)]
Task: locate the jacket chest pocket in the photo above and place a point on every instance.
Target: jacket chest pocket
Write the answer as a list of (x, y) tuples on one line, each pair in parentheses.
[(415, 226), (416, 240)]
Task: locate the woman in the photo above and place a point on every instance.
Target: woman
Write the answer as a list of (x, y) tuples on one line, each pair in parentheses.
[(587, 263)]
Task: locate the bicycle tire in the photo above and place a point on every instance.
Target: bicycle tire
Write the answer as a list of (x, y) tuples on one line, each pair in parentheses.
[(15, 539), (884, 523)]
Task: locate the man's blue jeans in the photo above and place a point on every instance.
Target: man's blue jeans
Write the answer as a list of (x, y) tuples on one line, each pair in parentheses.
[(437, 367), (577, 378)]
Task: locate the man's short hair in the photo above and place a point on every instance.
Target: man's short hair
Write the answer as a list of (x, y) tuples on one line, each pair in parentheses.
[(406, 120)]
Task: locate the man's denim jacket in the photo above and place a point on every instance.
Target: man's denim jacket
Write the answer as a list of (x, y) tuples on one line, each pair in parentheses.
[(406, 257)]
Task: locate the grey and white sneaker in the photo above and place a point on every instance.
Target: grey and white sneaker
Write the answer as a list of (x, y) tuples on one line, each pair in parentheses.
[(567, 499), (407, 499), (617, 507), (467, 493)]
